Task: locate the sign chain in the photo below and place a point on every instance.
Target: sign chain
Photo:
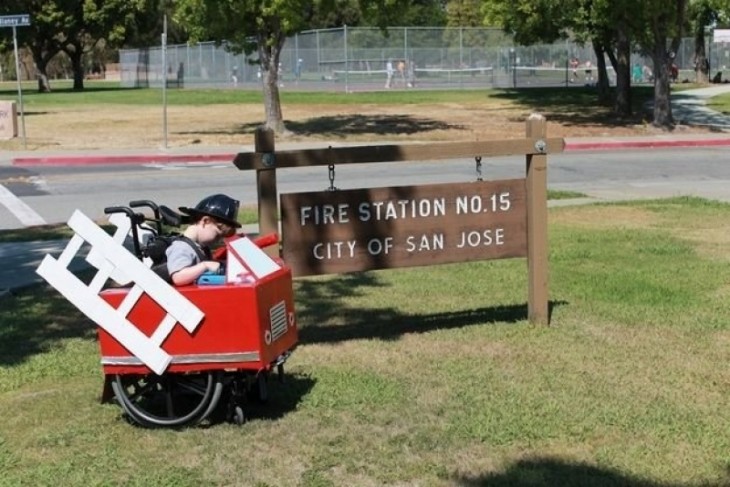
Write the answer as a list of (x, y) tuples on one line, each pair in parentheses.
[(331, 168), (478, 160)]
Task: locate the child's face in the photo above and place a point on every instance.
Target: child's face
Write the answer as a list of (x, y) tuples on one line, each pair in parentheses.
[(213, 230)]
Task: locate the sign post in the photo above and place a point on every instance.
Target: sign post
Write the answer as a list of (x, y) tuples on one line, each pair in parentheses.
[(15, 21), (387, 227)]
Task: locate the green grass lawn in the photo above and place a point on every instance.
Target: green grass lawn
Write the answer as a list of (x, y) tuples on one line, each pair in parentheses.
[(103, 93), (721, 103), (431, 376), (111, 93)]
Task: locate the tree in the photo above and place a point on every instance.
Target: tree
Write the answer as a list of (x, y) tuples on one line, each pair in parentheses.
[(704, 14), (343, 12), (531, 21), (40, 36), (72, 26), (464, 13), (663, 22), (654, 24), (147, 26), (608, 25), (263, 26), (425, 13), (599, 23), (87, 22)]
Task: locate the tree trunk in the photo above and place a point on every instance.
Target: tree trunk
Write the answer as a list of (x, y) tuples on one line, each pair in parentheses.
[(662, 105), (44, 86), (622, 104), (76, 55), (41, 65), (269, 59), (702, 64), (604, 92)]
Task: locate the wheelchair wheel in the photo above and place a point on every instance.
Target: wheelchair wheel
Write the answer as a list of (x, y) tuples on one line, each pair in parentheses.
[(168, 400)]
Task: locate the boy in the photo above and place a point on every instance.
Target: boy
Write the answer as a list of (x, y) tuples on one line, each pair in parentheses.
[(214, 218)]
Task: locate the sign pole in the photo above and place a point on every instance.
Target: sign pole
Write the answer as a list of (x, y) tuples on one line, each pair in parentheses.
[(264, 144), (538, 306), (14, 21), (20, 90)]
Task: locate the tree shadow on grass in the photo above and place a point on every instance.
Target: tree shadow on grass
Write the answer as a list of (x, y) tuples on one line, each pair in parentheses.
[(576, 106), (548, 472), (348, 125), (344, 125), (318, 305), (34, 319)]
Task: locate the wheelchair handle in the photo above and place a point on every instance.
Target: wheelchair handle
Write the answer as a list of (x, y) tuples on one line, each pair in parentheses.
[(118, 209), (148, 203), (135, 218), (155, 210)]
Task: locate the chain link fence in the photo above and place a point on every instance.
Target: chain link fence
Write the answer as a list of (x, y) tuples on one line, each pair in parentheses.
[(347, 59)]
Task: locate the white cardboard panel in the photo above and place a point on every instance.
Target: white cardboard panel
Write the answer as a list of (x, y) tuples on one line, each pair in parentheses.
[(253, 258), (165, 295), (104, 315)]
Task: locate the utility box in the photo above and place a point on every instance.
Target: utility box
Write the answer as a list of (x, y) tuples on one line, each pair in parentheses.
[(8, 120)]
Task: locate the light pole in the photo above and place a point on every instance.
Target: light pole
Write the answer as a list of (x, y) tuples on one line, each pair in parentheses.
[(164, 82), (513, 62)]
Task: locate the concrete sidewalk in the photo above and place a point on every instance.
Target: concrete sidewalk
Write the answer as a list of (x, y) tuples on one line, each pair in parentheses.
[(20, 260)]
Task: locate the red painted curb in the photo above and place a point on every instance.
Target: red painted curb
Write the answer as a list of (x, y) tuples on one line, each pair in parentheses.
[(644, 144), (122, 159)]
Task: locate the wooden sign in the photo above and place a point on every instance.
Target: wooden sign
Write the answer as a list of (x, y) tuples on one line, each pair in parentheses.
[(380, 228)]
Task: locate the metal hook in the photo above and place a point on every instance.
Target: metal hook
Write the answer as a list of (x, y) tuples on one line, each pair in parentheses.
[(478, 160), (331, 174), (331, 168)]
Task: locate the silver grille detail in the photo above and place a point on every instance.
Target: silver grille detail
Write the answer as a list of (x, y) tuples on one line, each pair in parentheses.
[(277, 315)]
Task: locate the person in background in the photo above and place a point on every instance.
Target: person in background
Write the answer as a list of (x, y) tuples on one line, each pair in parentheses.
[(589, 72), (234, 76), (402, 71), (574, 69), (298, 69), (636, 73), (389, 74)]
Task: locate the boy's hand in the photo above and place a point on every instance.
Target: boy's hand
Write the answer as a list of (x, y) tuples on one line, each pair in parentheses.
[(212, 266)]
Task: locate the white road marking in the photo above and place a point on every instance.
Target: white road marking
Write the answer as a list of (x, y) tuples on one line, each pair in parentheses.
[(39, 183), (185, 165), (20, 210)]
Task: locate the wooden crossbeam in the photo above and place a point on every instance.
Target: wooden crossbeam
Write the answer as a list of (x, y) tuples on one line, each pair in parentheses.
[(397, 153)]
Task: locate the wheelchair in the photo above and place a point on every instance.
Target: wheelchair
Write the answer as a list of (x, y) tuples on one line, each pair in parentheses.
[(247, 333)]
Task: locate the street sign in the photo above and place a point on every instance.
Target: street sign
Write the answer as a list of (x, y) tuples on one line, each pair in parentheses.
[(22, 20)]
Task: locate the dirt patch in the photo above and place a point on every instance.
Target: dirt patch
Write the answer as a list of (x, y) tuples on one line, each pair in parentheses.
[(126, 127), (712, 242), (605, 217)]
